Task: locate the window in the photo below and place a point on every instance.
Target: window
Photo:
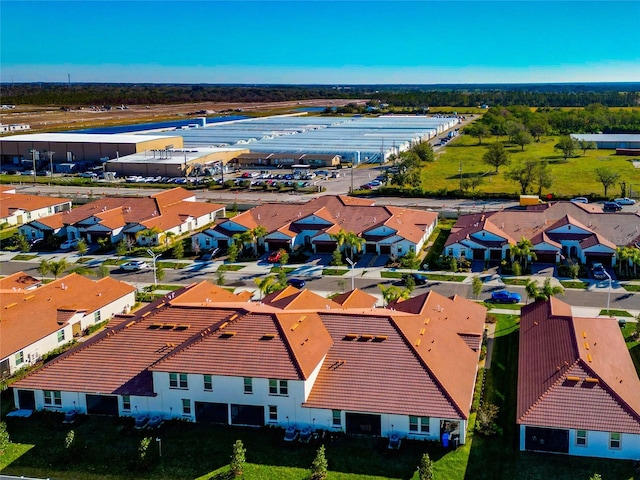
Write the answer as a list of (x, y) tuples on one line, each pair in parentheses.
[(208, 383), (248, 385), (278, 387), (60, 336), (126, 403), (451, 252), (399, 248), (96, 317), (614, 440), (178, 380), (419, 424), (186, 406), (19, 358), (52, 398), (337, 418), (273, 413), (581, 437)]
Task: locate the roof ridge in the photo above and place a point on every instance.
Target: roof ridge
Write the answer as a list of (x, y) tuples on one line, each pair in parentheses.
[(287, 343), (424, 364)]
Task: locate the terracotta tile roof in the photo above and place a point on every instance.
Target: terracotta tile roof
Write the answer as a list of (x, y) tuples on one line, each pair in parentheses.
[(204, 294), (172, 196), (18, 280), (177, 213), (233, 338), (291, 298), (356, 299), (620, 229), (10, 202), (29, 315), (575, 372)]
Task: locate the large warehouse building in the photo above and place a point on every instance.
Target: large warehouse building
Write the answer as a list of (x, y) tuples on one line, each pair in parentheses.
[(609, 141), (171, 163), (18, 151), (357, 139)]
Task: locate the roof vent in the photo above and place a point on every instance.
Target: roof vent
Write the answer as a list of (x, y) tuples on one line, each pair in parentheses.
[(268, 336), (294, 326), (586, 345), (154, 326), (182, 327), (380, 338), (591, 380), (227, 334), (350, 336), (573, 379), (168, 326), (418, 342), (132, 322), (366, 337)]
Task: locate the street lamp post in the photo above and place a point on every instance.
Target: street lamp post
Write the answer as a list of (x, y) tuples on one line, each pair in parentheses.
[(609, 293), (159, 440), (352, 263), (154, 257)]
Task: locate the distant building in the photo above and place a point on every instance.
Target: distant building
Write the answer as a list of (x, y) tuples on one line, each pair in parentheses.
[(273, 160), (17, 208), (609, 141), (14, 127)]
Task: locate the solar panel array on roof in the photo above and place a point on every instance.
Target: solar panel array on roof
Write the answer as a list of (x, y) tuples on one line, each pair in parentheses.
[(374, 138)]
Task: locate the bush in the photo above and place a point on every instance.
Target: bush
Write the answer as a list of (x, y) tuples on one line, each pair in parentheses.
[(238, 458), (320, 465), (485, 419)]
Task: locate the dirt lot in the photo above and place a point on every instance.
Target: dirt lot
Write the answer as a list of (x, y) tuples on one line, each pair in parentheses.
[(54, 119)]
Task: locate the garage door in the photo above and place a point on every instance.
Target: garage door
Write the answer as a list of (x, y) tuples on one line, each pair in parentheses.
[(495, 254), (273, 245), (546, 439), (27, 399), (385, 249), (370, 248), (102, 405), (325, 247), (247, 415), (603, 259), (363, 424), (208, 412), (545, 258), (478, 254)]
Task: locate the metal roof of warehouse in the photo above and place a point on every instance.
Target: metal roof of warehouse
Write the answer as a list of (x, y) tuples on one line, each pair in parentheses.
[(85, 137), (607, 137)]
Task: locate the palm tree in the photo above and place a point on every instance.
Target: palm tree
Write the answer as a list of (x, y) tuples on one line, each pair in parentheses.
[(623, 255), (169, 238), (44, 267), (266, 284), (549, 290), (258, 233), (393, 293), (523, 250), (353, 241), (148, 234), (532, 290), (56, 268), (339, 238)]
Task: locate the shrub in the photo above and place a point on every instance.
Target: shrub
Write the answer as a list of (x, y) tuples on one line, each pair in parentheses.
[(320, 465), (69, 438), (143, 448), (485, 419), (238, 458), (4, 438), (425, 469)]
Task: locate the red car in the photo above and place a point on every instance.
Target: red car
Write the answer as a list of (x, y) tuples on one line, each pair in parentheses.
[(274, 257)]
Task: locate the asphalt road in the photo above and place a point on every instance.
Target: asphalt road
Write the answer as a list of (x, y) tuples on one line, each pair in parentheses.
[(329, 284)]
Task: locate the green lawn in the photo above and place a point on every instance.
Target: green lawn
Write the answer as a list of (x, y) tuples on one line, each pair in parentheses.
[(334, 271), (571, 178), (616, 313), (286, 269), (446, 278), (230, 268), (515, 281), (503, 306), (25, 256), (574, 284), (632, 287)]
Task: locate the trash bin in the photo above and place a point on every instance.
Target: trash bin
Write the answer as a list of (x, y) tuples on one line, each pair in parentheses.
[(445, 440), (455, 441)]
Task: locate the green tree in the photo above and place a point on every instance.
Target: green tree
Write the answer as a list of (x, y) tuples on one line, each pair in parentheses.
[(595, 476), (410, 260), (122, 248), (496, 156), (486, 419), (392, 293), (44, 267), (606, 177), (567, 146), (320, 465), (523, 173), (409, 283), (102, 271), (82, 247), (5, 440), (58, 267), (425, 469), (523, 138), (336, 258), (159, 272), (23, 243), (284, 257), (234, 250), (354, 243), (238, 458), (523, 250), (476, 286), (220, 280), (587, 145), (104, 244), (532, 290), (424, 151), (177, 251), (478, 130), (512, 128), (266, 285), (472, 182), (408, 172), (544, 177), (538, 127), (148, 235), (549, 290)]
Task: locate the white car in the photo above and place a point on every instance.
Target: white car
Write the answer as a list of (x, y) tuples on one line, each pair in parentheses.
[(580, 200), (625, 201), (69, 244), (134, 265)]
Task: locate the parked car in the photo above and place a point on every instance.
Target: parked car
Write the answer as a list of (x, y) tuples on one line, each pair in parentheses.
[(35, 242), (505, 296), (211, 254), (134, 265), (580, 200), (598, 271), (296, 282), (274, 257), (418, 279), (611, 207), (625, 201), (69, 244)]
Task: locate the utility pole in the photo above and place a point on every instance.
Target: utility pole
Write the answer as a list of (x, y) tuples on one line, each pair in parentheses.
[(33, 156), (460, 177), (50, 154)]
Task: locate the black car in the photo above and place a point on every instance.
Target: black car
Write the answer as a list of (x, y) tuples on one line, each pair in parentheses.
[(296, 282), (611, 207), (417, 278), (211, 254)]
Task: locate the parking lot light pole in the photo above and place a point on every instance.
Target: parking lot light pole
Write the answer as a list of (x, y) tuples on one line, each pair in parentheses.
[(352, 263), (609, 293), (154, 257)]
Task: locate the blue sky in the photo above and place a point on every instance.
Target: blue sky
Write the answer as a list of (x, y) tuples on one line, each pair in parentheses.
[(329, 42)]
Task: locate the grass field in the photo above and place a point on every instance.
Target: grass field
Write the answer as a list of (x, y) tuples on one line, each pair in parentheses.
[(571, 178)]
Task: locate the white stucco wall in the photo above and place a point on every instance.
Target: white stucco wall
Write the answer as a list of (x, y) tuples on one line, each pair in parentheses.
[(33, 352)]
